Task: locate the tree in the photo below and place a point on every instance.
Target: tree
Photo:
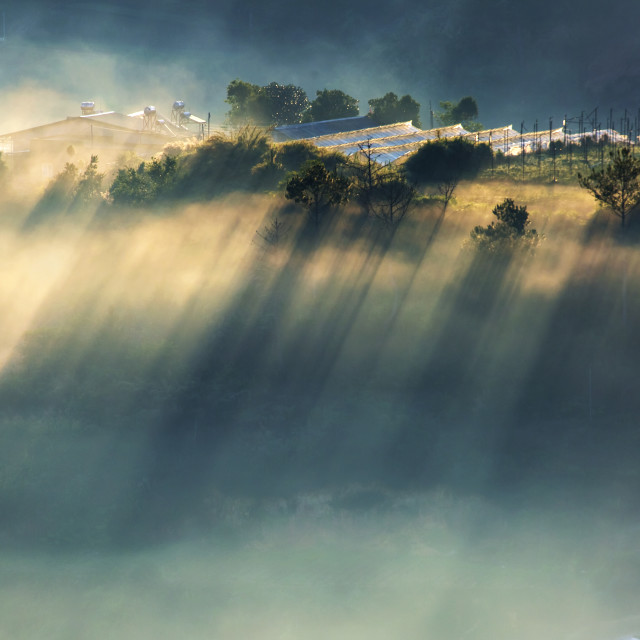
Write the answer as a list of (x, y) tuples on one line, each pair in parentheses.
[(59, 192), (508, 232), (445, 162), (391, 198), (273, 104), (87, 189), (617, 185), (464, 112), (317, 188), (248, 104), (330, 104), (221, 164), (383, 192), (366, 170), (132, 187), (287, 103), (146, 184), (390, 109)]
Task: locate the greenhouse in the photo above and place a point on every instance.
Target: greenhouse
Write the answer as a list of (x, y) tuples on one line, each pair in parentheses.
[(391, 142)]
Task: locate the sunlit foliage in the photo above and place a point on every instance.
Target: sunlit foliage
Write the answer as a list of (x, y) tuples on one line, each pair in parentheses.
[(317, 189), (510, 232), (445, 162), (617, 186), (145, 185)]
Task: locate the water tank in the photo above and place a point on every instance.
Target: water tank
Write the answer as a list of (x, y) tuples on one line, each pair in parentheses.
[(87, 107), (149, 110), (186, 115), (178, 105)]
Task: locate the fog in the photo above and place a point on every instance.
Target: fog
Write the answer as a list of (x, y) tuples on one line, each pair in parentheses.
[(523, 62), (348, 435), (351, 434)]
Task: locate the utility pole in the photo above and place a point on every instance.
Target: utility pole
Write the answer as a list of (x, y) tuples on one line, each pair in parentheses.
[(430, 115)]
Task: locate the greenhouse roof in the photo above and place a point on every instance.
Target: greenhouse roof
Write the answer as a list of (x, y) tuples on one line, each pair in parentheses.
[(388, 143), (308, 130)]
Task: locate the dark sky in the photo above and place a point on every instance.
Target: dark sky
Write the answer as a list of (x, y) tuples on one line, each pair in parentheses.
[(522, 59)]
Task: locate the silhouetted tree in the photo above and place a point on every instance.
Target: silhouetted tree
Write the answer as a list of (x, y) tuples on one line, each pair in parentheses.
[(445, 162), (330, 104), (366, 170), (390, 109), (317, 188), (617, 185), (464, 112), (391, 198), (508, 232)]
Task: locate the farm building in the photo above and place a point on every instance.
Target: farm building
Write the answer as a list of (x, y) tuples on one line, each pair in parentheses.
[(103, 133)]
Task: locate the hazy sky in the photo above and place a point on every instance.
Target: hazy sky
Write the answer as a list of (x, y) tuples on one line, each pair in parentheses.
[(522, 59)]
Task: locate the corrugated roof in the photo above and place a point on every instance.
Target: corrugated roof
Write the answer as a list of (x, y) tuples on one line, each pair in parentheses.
[(321, 128)]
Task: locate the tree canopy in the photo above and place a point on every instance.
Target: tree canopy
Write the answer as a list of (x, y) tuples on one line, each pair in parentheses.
[(330, 104), (389, 109), (445, 162), (273, 104), (465, 112), (617, 185), (508, 232), (317, 188)]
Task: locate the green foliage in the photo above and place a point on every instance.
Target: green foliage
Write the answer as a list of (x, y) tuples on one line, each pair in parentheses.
[(69, 191), (287, 103), (248, 104), (510, 232), (274, 104), (391, 197), (317, 189), (146, 184), (330, 104), (390, 109), (132, 188), (617, 185), (60, 190), (445, 162), (222, 164), (89, 185), (292, 155), (383, 192), (464, 112)]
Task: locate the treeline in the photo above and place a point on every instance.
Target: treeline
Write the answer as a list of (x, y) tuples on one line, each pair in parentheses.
[(279, 104), (248, 161)]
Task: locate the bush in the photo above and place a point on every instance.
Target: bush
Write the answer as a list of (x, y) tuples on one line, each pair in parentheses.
[(508, 233)]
